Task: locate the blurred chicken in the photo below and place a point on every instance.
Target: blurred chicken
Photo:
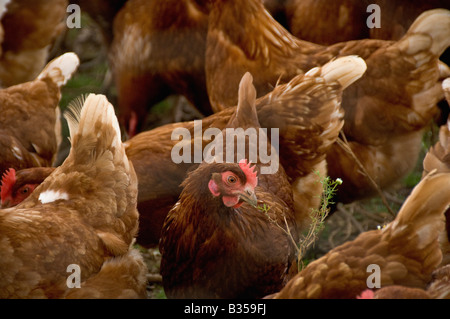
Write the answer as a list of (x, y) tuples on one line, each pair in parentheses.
[(438, 288), (103, 13), (205, 246), (30, 127), (347, 20), (438, 158), (328, 22), (83, 214), (406, 251), (158, 50), (386, 111), (30, 29), (307, 113)]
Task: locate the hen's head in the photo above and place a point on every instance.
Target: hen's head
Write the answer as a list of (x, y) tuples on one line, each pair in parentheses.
[(235, 185), (11, 195), (17, 186)]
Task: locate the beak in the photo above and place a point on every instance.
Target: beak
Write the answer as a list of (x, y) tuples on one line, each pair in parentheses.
[(249, 197)]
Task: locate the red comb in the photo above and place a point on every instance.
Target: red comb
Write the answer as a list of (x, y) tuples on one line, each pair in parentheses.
[(250, 173), (8, 180)]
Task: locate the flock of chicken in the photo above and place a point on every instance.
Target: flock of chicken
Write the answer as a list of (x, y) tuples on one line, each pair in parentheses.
[(354, 110)]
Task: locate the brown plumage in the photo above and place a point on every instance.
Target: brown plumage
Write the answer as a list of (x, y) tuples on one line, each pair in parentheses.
[(30, 30), (83, 214), (438, 288), (16, 186), (407, 250), (386, 110), (438, 158), (158, 49), (212, 245), (30, 127), (328, 22), (307, 113)]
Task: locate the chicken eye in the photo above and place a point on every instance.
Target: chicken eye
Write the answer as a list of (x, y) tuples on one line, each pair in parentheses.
[(25, 190), (231, 179)]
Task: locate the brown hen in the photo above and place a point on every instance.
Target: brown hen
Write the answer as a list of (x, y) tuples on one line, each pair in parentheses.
[(386, 111), (406, 251), (30, 127), (31, 27), (215, 242), (158, 49), (83, 215)]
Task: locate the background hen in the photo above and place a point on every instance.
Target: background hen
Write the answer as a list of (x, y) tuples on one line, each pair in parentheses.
[(23, 143), (386, 111), (158, 49), (30, 30), (406, 250), (307, 113), (73, 219)]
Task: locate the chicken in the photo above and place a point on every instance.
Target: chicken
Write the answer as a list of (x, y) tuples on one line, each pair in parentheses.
[(103, 13), (158, 49), (30, 127), (407, 250), (438, 288), (206, 250), (83, 216), (438, 158), (121, 277), (16, 186), (30, 29), (307, 113), (386, 111), (347, 20), (328, 22)]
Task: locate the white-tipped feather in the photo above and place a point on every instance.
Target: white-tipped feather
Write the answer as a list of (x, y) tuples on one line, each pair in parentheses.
[(83, 114), (446, 88), (60, 69), (430, 31), (345, 70), (3, 9)]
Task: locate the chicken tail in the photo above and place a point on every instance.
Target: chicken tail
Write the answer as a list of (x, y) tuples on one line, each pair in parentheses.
[(428, 36), (438, 157), (60, 69), (345, 70), (93, 124), (420, 222)]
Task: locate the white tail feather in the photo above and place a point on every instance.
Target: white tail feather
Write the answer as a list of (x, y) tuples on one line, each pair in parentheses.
[(345, 70), (430, 32), (60, 69)]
